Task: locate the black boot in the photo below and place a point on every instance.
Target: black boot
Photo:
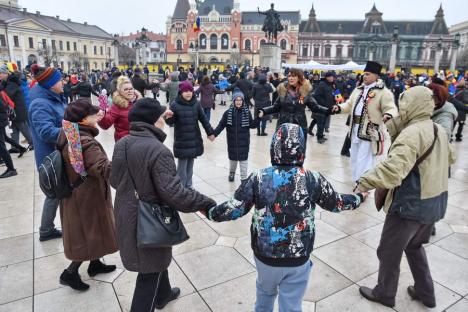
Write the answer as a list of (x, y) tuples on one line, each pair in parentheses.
[(9, 173), (97, 267), (263, 133), (231, 176), (73, 280), (175, 292), (258, 131)]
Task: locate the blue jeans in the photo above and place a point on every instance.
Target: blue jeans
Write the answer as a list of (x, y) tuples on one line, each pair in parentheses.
[(291, 282), (49, 210), (185, 171), (207, 112)]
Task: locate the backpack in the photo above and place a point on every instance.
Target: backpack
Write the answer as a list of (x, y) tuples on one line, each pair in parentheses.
[(53, 178)]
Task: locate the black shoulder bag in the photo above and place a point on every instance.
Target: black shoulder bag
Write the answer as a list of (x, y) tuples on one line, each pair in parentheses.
[(158, 225)]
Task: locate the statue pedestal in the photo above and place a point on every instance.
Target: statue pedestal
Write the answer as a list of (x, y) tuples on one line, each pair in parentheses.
[(270, 56)]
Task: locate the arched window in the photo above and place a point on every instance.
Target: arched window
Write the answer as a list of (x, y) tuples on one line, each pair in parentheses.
[(248, 45), (262, 42), (179, 44), (202, 41), (224, 42), (213, 42), (283, 44), (305, 50)]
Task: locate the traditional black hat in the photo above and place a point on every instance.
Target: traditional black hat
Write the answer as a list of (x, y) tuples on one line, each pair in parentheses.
[(373, 67)]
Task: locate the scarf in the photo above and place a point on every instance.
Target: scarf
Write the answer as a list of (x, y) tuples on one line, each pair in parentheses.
[(75, 150), (245, 120)]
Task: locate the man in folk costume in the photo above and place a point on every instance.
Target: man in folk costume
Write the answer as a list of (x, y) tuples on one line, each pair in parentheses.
[(372, 105)]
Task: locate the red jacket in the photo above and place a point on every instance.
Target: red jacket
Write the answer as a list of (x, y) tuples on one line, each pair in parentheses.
[(117, 116)]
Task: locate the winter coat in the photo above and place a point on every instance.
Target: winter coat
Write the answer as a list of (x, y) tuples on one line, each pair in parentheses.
[(140, 84), (87, 215), (446, 116), (418, 194), (245, 86), (207, 91), (379, 101), (462, 96), (117, 115), (324, 94), (84, 89), (261, 93), (222, 84), (188, 142), (172, 87), (3, 115), (25, 89), (45, 120), (237, 134), (289, 108), (284, 196), (152, 166), (12, 87)]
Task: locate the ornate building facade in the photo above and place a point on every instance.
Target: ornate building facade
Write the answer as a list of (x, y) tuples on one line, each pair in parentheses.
[(154, 46), (27, 37), (339, 41)]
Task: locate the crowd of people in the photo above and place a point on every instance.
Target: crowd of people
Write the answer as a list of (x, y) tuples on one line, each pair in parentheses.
[(54, 111)]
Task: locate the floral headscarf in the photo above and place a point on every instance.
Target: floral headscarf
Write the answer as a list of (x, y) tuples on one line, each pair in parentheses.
[(75, 150)]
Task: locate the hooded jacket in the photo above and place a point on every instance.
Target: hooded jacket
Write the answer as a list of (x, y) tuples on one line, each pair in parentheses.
[(188, 141), (418, 194), (284, 196), (45, 119), (446, 116), (207, 90), (172, 87), (261, 93)]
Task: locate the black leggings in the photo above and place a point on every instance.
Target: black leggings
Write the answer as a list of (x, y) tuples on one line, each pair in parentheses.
[(4, 154)]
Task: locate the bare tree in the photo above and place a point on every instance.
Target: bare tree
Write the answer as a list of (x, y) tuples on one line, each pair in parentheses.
[(237, 58), (50, 55)]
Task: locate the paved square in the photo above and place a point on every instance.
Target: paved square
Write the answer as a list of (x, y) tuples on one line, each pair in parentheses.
[(215, 268)]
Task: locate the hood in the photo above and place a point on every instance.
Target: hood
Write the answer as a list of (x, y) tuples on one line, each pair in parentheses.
[(416, 104), (288, 146), (262, 79), (174, 76), (447, 108)]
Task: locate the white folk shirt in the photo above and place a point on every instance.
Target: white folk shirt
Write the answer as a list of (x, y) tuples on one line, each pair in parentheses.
[(358, 111)]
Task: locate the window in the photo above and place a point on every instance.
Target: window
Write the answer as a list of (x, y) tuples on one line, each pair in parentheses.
[(339, 51), (202, 41), (283, 44), (108, 51), (432, 55), (213, 42), (305, 51), (248, 45), (292, 47), (31, 42), (61, 45), (68, 45), (44, 43), (375, 29), (95, 50), (327, 50), (54, 46), (350, 51), (409, 52), (362, 52), (101, 50), (16, 41), (2, 40), (85, 49), (61, 65), (316, 51), (179, 45), (420, 52), (74, 46), (445, 55), (262, 42), (224, 42)]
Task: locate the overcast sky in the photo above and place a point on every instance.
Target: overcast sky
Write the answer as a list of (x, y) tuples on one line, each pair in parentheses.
[(127, 16)]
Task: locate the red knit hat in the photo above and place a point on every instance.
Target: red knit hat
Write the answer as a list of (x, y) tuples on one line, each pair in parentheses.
[(185, 86)]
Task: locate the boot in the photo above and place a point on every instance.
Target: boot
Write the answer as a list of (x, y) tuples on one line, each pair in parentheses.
[(8, 174), (175, 292), (231, 176), (258, 131), (263, 133), (73, 280), (97, 267)]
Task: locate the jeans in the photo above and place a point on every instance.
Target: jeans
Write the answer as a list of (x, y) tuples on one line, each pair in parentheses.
[(24, 129), (243, 167), (150, 289), (321, 120), (291, 282), (4, 155), (185, 171), (49, 210), (207, 111)]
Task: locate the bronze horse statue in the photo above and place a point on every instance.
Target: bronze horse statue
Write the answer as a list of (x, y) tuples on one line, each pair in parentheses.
[(272, 24)]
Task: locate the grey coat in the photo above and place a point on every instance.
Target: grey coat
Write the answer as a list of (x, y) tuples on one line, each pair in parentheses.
[(153, 169), (446, 116)]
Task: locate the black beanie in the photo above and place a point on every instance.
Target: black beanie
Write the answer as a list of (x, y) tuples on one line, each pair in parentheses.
[(146, 110)]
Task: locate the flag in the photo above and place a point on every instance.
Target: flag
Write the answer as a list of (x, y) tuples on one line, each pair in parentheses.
[(338, 97), (196, 24)]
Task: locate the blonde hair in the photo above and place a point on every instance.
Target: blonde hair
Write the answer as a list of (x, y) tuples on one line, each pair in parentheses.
[(121, 81)]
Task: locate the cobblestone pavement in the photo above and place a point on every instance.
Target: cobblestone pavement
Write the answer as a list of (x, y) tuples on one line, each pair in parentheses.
[(215, 268)]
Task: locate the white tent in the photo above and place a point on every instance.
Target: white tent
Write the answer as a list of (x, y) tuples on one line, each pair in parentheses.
[(313, 65)]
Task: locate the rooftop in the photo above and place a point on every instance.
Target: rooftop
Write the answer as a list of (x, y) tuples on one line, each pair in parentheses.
[(253, 18)]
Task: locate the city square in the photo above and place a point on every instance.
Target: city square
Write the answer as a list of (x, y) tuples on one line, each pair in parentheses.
[(214, 40)]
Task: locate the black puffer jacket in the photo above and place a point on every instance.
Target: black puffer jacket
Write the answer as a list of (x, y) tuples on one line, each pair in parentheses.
[(289, 108), (152, 167), (324, 95), (261, 93), (188, 142), (245, 86), (140, 84), (84, 89), (13, 88), (238, 136)]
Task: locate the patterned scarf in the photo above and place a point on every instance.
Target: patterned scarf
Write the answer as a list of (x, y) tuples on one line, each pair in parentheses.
[(75, 150), (245, 120)]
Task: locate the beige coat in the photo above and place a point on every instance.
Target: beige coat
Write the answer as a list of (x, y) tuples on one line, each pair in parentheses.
[(379, 101)]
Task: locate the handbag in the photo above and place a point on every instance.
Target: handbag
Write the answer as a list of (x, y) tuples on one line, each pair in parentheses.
[(158, 225), (380, 194)]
